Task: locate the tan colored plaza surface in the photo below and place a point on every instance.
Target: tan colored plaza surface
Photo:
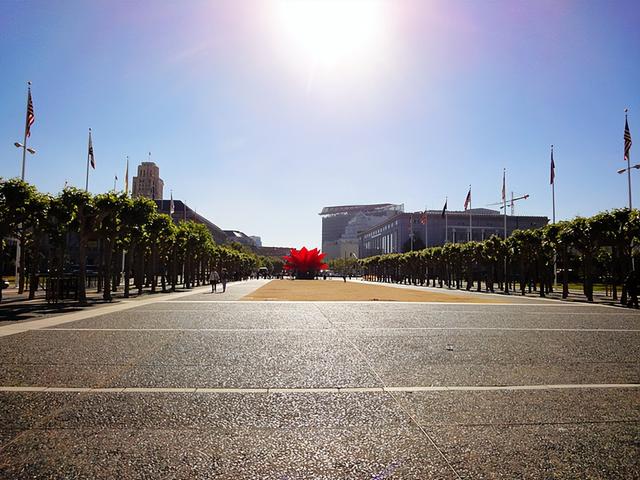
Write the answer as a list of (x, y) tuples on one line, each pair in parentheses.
[(335, 290)]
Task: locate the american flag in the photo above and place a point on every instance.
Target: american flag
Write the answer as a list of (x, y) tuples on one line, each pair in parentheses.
[(627, 140), (553, 168), (172, 207), (31, 117), (467, 201), (423, 218), (504, 185), (92, 159), (444, 209)]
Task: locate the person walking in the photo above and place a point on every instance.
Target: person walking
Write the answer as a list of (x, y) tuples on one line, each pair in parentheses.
[(214, 279), (223, 279)]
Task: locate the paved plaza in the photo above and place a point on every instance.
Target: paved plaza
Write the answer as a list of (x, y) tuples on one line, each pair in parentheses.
[(201, 385)]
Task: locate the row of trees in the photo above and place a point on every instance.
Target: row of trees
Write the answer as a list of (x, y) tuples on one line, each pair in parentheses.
[(132, 245), (583, 249)]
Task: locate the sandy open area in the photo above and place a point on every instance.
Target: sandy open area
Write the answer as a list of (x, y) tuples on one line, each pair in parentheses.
[(334, 290)]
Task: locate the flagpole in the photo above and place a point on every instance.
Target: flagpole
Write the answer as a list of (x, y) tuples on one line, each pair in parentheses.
[(628, 155), (470, 235), (126, 179), (504, 216), (553, 201), (504, 200), (628, 169), (426, 230), (446, 221), (24, 161), (26, 129), (411, 235), (86, 184)]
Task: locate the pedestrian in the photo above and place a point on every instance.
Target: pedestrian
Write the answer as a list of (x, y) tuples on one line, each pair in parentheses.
[(214, 278), (631, 282), (223, 279)]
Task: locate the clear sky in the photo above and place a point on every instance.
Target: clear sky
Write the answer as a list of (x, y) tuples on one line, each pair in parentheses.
[(259, 113)]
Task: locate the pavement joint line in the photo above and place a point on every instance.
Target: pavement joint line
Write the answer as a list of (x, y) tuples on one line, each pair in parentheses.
[(155, 390), (344, 327), (361, 389), (304, 390), (294, 390), (553, 303), (232, 390)]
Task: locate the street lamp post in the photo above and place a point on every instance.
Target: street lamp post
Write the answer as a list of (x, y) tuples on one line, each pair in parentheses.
[(25, 149), (628, 171)]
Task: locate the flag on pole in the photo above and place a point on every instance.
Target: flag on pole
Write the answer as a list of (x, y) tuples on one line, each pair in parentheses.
[(172, 207), (31, 117), (627, 140), (553, 168), (423, 218), (444, 209), (92, 159), (504, 185), (126, 178), (467, 201)]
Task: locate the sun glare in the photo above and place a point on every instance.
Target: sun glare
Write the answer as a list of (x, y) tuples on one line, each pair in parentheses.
[(329, 35)]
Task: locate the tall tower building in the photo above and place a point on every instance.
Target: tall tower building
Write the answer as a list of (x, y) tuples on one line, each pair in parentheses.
[(148, 182)]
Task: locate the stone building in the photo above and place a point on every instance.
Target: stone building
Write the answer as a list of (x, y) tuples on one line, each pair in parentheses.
[(342, 224), (148, 182), (394, 234)]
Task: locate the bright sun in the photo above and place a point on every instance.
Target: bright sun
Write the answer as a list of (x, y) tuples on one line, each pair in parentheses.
[(328, 35)]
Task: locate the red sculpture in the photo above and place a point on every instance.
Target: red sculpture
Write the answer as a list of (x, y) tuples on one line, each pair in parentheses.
[(305, 263)]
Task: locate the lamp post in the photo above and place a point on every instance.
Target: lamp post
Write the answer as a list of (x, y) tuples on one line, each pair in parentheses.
[(25, 149), (628, 172)]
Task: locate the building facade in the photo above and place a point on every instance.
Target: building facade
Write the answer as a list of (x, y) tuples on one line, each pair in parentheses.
[(148, 182), (394, 234), (240, 237), (342, 224), (256, 240), (182, 212)]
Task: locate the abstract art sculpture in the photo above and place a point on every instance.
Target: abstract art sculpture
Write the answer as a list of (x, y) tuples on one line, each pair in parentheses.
[(303, 263)]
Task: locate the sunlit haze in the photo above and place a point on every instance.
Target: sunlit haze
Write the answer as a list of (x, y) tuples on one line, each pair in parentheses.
[(333, 38)]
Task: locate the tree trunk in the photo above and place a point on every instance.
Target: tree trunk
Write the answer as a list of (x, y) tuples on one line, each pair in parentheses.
[(153, 267), (82, 269), (108, 258), (127, 271), (33, 267), (140, 271), (588, 281)]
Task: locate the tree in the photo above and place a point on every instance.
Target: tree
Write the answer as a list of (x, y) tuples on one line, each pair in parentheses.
[(581, 235), (16, 197), (109, 207), (135, 215), (83, 211)]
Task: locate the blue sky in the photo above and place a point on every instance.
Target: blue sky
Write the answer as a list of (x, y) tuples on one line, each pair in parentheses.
[(259, 122)]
